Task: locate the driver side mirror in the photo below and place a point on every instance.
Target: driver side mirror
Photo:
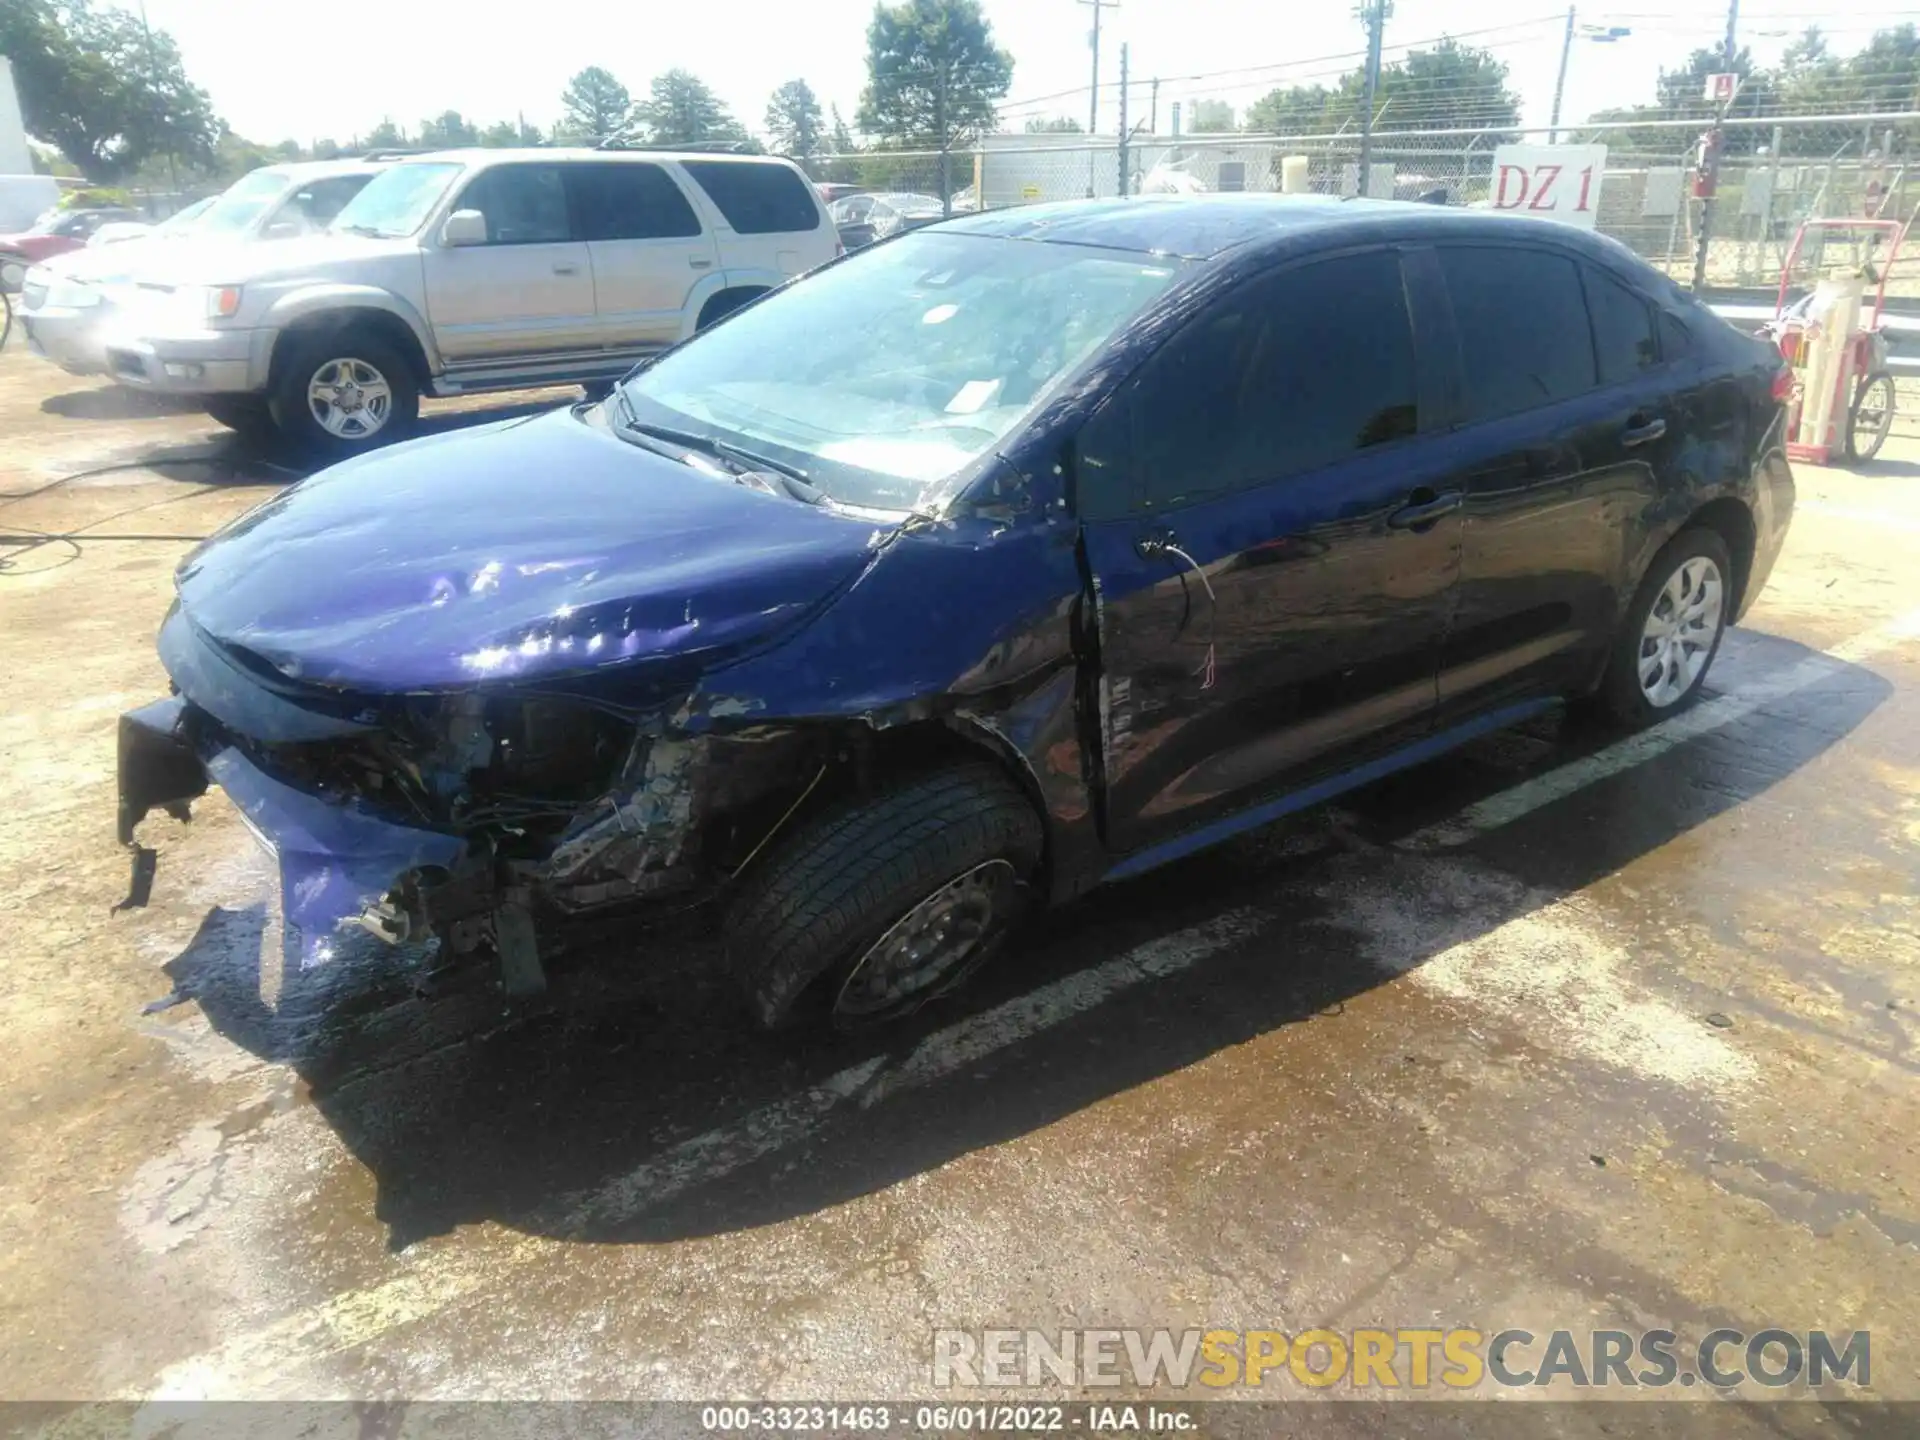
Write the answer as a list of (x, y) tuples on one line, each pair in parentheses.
[(464, 227)]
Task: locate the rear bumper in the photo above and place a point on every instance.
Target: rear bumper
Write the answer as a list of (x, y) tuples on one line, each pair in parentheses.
[(1773, 501), (336, 859)]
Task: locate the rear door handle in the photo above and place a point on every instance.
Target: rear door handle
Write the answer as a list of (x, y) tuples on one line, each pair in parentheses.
[(1643, 433), (1423, 507), (697, 263), (562, 267)]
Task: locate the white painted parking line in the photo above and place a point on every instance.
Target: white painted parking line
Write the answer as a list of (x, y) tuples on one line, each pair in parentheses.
[(252, 1363), (1530, 795)]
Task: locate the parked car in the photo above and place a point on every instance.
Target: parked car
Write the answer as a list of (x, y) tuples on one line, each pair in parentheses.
[(832, 190), (984, 567), (72, 304), (465, 272), (182, 220), (54, 233), (863, 219)]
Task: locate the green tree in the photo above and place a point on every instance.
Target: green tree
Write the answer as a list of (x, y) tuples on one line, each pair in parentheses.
[(1297, 110), (1054, 125), (101, 88), (594, 106), (449, 130), (795, 122), (934, 77), (326, 149), (1210, 117), (680, 110), (386, 136), (1451, 86)]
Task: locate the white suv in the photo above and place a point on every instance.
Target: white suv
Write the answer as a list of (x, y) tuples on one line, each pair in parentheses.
[(470, 271)]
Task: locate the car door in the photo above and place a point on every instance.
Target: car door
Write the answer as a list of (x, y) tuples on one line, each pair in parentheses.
[(647, 246), (528, 291), (1557, 461), (1271, 544)]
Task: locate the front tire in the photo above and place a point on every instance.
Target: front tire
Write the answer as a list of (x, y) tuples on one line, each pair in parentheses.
[(249, 415), (1672, 631), (342, 394), (884, 903)]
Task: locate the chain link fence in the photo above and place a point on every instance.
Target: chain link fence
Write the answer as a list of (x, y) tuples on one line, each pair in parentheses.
[(1775, 175)]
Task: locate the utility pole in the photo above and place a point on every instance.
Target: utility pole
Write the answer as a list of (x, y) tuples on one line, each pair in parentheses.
[(1715, 140), (1125, 188), (1560, 85), (1376, 22), (1153, 123), (1093, 104)]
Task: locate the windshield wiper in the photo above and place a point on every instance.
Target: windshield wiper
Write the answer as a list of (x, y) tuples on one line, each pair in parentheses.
[(741, 462), (367, 230)]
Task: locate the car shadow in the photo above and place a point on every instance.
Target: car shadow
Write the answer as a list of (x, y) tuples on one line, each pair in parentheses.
[(634, 1104), (117, 402)]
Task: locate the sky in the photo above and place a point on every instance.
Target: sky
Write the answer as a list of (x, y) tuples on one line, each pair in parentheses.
[(273, 78)]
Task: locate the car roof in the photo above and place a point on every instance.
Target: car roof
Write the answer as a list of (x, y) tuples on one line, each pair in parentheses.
[(1201, 227), (571, 153)]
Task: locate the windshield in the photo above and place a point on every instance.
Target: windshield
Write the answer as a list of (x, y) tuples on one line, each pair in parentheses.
[(884, 375), (396, 202), (242, 202)]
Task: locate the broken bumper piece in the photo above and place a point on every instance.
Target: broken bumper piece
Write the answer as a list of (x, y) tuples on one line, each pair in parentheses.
[(337, 861)]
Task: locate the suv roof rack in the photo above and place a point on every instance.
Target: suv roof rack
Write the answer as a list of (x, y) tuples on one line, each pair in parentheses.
[(389, 154)]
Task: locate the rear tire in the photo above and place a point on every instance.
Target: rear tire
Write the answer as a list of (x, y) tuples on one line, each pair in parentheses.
[(884, 903), (1672, 631), (344, 393)]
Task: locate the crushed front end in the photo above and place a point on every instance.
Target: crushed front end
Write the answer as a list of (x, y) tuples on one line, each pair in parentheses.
[(476, 816)]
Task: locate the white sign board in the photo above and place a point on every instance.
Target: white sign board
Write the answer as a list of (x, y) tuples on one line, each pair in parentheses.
[(1722, 88), (1553, 182)]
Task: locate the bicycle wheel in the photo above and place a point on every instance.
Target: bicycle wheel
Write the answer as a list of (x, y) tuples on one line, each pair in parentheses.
[(1872, 418)]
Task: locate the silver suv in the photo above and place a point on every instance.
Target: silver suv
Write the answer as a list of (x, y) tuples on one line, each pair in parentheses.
[(469, 271)]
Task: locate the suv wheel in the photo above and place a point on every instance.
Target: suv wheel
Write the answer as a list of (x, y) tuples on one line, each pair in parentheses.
[(345, 393), (882, 904), (1672, 630)]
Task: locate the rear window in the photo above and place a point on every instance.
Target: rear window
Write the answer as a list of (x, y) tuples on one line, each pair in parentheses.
[(757, 199), (1525, 339)]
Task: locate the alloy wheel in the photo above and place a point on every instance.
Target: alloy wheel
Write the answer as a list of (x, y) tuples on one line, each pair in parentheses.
[(1680, 632), (349, 399)]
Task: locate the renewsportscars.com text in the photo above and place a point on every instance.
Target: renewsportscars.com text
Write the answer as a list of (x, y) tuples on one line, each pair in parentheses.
[(1404, 1359)]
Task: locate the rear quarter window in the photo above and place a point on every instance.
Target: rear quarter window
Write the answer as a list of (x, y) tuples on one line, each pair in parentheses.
[(756, 199)]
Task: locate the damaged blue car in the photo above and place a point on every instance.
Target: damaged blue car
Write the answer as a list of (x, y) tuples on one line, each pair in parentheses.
[(1019, 554)]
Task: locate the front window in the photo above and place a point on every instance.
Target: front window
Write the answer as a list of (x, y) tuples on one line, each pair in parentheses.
[(397, 202), (236, 208), (882, 377)]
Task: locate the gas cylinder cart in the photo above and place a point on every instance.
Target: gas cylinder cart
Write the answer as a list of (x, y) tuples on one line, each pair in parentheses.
[(1833, 337)]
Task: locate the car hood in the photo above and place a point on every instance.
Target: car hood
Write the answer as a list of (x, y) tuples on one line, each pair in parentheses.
[(520, 550)]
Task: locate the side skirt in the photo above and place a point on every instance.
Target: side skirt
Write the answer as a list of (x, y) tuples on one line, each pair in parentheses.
[(1418, 753)]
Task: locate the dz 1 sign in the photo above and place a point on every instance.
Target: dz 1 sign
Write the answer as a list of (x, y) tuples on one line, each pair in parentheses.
[(1553, 182)]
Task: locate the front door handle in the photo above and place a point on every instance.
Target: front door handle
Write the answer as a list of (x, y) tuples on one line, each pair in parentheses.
[(1641, 431), (1423, 507), (562, 267), (1155, 543)]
